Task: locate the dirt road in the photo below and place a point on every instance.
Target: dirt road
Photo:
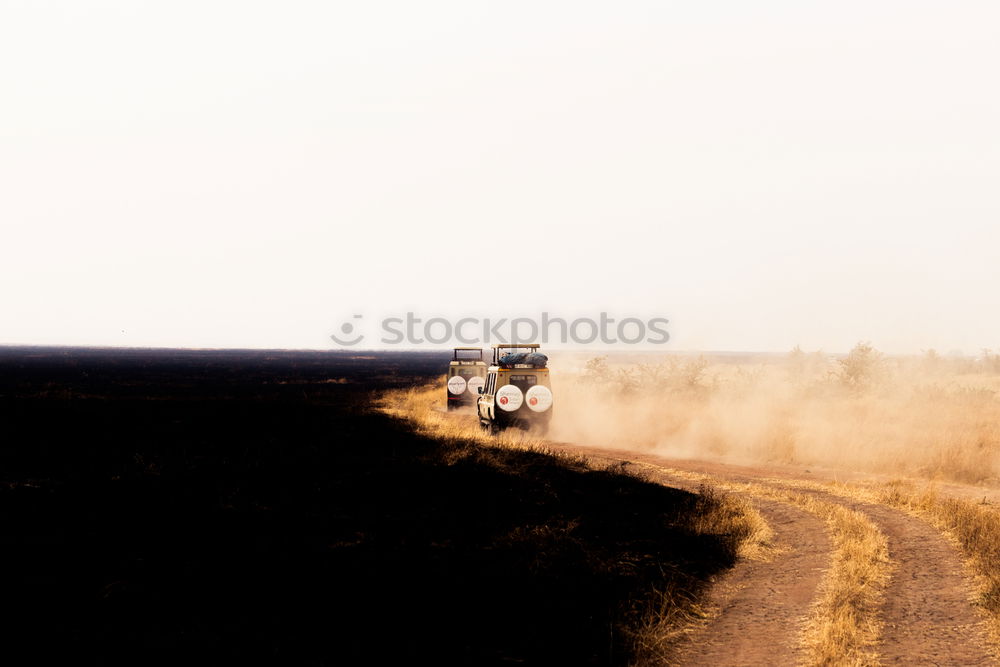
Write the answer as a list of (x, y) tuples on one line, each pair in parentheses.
[(926, 614)]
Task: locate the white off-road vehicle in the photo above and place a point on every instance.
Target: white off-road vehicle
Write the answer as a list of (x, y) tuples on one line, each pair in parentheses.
[(466, 374), (517, 391)]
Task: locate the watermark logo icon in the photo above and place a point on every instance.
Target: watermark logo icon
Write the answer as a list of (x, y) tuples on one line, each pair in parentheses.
[(347, 329)]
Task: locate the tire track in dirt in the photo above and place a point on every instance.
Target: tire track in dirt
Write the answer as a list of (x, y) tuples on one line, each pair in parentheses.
[(927, 612), (928, 615)]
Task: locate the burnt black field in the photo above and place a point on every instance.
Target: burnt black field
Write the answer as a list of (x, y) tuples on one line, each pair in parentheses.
[(159, 506)]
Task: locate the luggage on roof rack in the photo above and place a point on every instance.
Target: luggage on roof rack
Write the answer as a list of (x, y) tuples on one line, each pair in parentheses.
[(524, 360)]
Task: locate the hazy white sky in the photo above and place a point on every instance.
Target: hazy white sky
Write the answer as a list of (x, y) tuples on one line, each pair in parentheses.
[(764, 174)]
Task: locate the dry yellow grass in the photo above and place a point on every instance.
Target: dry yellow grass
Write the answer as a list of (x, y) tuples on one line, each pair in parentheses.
[(844, 627), (424, 409), (660, 629)]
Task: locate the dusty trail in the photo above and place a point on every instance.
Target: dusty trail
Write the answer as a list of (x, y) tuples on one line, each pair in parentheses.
[(746, 611), (743, 611), (928, 617), (927, 614)]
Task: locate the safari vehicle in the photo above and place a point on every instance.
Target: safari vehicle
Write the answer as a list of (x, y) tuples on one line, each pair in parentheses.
[(517, 391), (466, 374)]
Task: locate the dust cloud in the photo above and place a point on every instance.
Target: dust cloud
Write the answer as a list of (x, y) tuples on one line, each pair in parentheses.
[(926, 416)]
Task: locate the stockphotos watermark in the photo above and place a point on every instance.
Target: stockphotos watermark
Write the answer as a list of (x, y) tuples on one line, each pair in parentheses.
[(413, 330)]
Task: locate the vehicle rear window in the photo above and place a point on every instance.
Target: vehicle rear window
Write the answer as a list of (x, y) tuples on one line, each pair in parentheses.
[(523, 382)]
